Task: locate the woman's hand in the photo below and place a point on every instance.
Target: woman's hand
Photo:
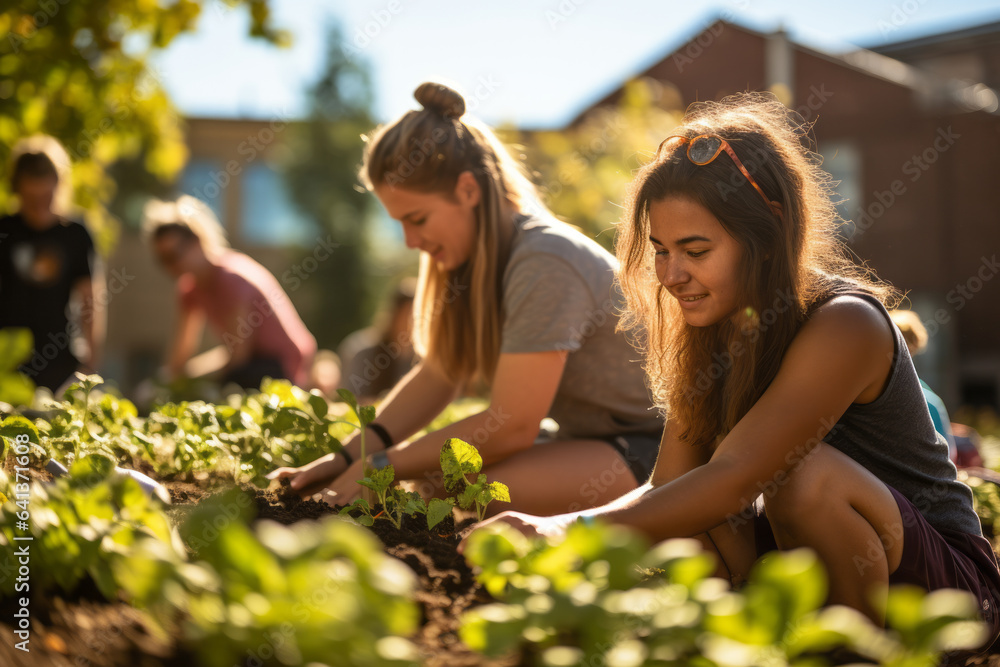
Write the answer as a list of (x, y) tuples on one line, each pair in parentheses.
[(528, 525), (345, 489), (312, 478)]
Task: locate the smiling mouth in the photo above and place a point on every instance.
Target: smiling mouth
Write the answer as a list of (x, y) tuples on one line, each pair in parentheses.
[(691, 298)]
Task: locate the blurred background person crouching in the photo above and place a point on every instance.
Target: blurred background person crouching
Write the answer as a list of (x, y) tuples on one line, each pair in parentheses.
[(374, 359), (262, 334)]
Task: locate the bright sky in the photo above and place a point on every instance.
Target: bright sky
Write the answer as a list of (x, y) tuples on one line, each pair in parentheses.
[(535, 63)]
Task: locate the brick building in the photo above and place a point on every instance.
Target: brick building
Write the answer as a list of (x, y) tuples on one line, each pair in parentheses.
[(912, 131)]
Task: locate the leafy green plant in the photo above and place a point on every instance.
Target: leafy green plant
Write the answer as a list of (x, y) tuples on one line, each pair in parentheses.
[(281, 595), (16, 345), (396, 502), (600, 596), (459, 459), (986, 497), (79, 525)]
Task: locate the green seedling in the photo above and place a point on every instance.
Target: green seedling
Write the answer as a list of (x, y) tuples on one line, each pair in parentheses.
[(365, 414), (460, 459), (396, 503)]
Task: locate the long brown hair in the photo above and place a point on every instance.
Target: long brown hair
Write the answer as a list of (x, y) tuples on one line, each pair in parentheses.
[(707, 378), (457, 313)]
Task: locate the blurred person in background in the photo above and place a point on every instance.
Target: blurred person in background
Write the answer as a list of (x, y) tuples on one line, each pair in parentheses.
[(47, 262), (262, 334), (915, 335), (374, 359), (508, 298), (325, 373)]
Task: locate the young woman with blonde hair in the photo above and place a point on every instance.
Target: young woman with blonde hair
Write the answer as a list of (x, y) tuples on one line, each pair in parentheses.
[(794, 415), (508, 297), (246, 307)]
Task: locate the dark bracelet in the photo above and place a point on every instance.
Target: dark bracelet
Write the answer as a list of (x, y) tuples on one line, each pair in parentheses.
[(346, 455), (382, 434), (379, 460)]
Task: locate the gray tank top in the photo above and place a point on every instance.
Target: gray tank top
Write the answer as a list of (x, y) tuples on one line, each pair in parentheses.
[(894, 438)]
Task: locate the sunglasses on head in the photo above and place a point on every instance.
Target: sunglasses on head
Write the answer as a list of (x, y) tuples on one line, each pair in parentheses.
[(704, 148)]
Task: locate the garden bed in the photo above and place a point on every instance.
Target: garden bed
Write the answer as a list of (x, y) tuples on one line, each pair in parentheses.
[(82, 628), (219, 588)]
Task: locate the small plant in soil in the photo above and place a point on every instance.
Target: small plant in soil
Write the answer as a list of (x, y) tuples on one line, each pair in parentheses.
[(459, 459), (396, 503)]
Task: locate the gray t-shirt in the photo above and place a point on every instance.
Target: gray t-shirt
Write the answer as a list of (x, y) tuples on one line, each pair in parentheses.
[(560, 293)]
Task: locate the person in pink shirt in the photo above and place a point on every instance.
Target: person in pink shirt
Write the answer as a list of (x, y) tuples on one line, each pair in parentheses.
[(262, 334)]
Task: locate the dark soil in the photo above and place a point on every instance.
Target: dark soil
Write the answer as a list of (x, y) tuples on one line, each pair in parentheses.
[(446, 588), (82, 629)]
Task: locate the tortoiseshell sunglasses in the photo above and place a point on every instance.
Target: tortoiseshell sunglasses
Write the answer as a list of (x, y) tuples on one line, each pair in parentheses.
[(704, 148)]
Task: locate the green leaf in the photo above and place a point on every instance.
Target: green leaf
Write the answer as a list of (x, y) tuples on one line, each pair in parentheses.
[(382, 478), (366, 415), (467, 498), (16, 425), (438, 509), (16, 344), (91, 469), (318, 405), (16, 389), (494, 491), (458, 458), (347, 397)]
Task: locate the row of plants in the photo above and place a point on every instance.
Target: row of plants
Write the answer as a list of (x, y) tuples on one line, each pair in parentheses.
[(601, 596), (274, 594), (242, 440), (293, 595)]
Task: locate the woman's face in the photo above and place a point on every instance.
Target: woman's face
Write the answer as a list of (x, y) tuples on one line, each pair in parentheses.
[(442, 227), (697, 261)]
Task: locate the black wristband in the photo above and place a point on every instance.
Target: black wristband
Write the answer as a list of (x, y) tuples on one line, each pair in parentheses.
[(346, 455), (382, 434)]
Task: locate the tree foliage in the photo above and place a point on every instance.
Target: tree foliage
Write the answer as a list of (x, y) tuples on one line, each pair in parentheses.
[(80, 71), (322, 177), (583, 171)]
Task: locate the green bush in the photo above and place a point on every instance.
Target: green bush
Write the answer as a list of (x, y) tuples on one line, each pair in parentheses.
[(600, 597)]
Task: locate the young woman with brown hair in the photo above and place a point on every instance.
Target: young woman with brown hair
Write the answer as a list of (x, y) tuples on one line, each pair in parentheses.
[(794, 415)]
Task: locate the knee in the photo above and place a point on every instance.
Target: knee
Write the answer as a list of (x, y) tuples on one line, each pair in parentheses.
[(798, 492)]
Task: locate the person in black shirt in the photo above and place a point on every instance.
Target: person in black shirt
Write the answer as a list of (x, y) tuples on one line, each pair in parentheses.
[(45, 261)]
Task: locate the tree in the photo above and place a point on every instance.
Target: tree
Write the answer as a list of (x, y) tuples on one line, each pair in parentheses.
[(322, 176), (80, 72), (583, 171)]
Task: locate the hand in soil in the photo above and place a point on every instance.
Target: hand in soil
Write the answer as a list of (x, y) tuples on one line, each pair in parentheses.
[(346, 488), (529, 525), (335, 499), (311, 478)]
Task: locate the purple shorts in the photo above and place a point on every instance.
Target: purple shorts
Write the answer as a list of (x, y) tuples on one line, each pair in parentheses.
[(932, 559)]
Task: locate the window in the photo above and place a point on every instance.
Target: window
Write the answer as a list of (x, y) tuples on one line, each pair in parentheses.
[(269, 216), (207, 180)]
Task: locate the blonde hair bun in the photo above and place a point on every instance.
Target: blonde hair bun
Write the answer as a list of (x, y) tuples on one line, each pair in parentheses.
[(440, 99)]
